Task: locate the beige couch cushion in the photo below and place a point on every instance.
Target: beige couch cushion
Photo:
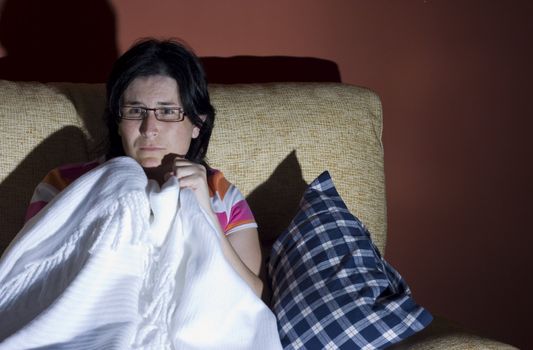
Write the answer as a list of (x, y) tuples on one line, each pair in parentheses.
[(270, 140)]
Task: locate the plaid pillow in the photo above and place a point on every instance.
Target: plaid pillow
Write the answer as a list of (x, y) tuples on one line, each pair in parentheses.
[(331, 288)]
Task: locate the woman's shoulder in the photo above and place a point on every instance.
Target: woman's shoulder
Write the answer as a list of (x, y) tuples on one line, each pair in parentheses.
[(56, 181), (217, 183), (63, 175)]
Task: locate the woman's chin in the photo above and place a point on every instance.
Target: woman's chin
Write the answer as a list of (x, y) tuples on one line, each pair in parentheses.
[(150, 162)]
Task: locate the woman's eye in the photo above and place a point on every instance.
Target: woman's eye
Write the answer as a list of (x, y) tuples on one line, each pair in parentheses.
[(168, 111), (134, 110)]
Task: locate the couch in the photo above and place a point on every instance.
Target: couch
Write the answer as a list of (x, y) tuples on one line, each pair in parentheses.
[(270, 140)]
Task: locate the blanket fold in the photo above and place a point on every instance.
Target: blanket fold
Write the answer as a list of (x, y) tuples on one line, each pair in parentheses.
[(116, 262)]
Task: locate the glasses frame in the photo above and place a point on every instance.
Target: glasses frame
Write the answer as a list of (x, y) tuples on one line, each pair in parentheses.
[(145, 110)]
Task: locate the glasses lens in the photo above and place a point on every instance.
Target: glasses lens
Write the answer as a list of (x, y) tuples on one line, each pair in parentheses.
[(173, 114), (132, 112)]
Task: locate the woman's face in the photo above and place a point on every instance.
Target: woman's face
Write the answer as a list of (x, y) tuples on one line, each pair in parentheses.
[(149, 140)]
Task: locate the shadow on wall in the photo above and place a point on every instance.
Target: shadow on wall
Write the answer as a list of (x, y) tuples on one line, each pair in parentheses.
[(75, 41), (65, 146), (274, 204), (57, 40), (257, 69), (278, 197), (68, 144)]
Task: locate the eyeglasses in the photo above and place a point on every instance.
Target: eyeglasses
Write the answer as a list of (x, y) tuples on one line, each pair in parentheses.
[(164, 114)]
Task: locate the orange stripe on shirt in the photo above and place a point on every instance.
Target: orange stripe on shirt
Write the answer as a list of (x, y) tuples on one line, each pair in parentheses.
[(217, 183), (55, 179), (229, 227)]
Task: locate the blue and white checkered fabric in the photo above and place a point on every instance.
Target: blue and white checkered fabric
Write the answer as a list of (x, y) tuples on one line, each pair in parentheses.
[(331, 287)]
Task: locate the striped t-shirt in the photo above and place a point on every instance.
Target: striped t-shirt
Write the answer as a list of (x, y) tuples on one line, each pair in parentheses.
[(227, 201)]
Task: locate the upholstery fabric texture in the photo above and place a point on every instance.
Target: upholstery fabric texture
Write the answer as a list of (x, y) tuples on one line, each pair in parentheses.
[(331, 287)]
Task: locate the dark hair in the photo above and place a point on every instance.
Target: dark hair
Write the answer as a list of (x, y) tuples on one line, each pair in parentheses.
[(162, 57)]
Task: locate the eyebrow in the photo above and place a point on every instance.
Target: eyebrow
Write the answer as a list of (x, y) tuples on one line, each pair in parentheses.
[(158, 103)]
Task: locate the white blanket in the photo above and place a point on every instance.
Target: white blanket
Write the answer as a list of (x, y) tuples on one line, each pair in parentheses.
[(115, 262)]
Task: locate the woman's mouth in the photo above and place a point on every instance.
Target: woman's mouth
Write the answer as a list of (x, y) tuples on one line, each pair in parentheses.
[(151, 148)]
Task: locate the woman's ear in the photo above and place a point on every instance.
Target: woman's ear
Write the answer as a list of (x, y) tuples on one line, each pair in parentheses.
[(195, 132), (196, 129)]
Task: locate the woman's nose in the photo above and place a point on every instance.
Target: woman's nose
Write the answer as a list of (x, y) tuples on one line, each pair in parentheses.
[(149, 127)]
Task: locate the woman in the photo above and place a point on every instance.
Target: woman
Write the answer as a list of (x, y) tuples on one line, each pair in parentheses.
[(159, 113), (122, 260)]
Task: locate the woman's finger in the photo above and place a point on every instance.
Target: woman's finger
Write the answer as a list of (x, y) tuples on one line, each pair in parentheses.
[(186, 168)]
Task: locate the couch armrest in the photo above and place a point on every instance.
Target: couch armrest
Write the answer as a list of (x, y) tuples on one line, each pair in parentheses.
[(443, 334)]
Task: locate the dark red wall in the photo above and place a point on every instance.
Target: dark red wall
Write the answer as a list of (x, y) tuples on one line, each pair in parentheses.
[(455, 80)]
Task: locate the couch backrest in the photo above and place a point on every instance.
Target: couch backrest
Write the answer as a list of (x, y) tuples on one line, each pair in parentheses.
[(269, 139)]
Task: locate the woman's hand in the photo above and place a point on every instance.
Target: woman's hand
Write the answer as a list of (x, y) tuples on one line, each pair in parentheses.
[(193, 176)]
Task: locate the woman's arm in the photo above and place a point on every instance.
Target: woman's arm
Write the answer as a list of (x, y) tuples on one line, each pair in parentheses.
[(241, 248), (245, 247), (246, 244)]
